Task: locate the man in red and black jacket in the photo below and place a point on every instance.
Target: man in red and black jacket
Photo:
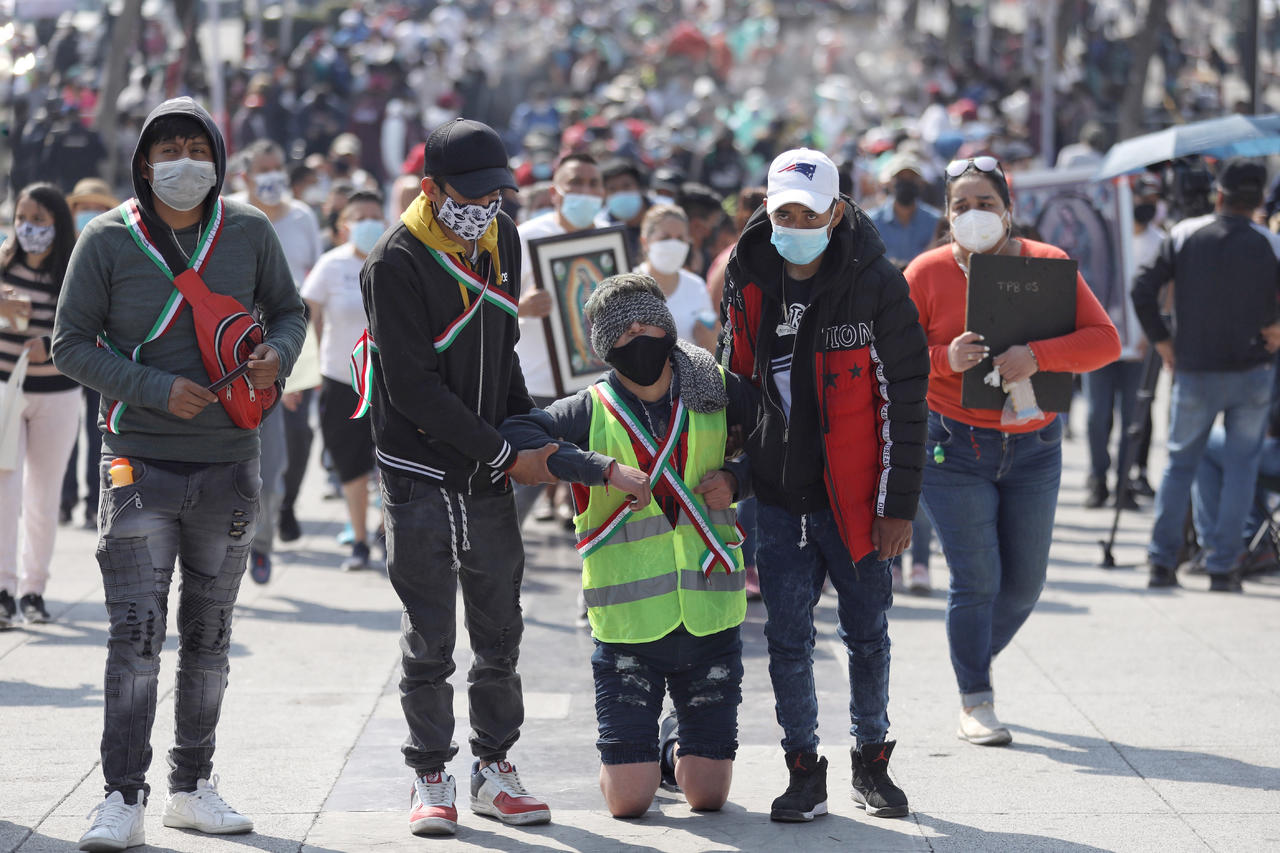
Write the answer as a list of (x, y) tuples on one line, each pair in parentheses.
[(822, 321)]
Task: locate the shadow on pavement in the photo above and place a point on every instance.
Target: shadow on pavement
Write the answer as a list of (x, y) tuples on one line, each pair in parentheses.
[(960, 836), (310, 611), (15, 694), (1092, 755), (257, 841)]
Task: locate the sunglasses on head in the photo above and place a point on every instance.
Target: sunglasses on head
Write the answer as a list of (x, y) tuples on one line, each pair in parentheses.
[(985, 163)]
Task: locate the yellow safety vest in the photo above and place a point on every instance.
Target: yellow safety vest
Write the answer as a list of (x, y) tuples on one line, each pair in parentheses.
[(648, 577)]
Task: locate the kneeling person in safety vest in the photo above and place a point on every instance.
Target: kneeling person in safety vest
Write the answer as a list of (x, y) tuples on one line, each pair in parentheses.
[(645, 448)]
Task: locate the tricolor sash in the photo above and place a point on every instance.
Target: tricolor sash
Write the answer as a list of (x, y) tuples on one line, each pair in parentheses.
[(662, 478), (132, 216), (468, 281), (362, 374)]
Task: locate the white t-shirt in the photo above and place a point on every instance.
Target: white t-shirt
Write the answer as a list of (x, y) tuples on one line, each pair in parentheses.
[(299, 233), (689, 300), (1145, 248), (535, 361), (334, 285)]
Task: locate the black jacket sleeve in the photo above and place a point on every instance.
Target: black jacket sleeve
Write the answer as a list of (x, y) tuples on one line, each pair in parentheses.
[(566, 422), (1146, 292), (740, 419), (902, 366)]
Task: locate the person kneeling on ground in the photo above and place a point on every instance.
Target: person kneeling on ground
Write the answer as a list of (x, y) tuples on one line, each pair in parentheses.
[(645, 447)]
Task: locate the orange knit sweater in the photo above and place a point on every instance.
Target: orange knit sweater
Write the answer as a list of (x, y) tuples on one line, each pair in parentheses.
[(938, 287)]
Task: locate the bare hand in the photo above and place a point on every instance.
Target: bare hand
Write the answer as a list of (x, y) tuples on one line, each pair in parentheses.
[(292, 401), (633, 481), (188, 399), (535, 303), (717, 488), (1165, 348), (890, 536), (531, 466), (39, 352), (966, 351), (264, 366), (1271, 337), (1016, 364)]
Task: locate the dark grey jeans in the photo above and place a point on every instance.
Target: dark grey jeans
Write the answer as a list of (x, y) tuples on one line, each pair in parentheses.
[(436, 539), (202, 519)]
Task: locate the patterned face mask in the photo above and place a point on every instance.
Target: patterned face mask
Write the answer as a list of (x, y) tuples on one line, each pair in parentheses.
[(468, 221)]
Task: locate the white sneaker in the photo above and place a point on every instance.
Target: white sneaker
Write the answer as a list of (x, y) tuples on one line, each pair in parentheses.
[(981, 726), (919, 584), (116, 824), (204, 810), (432, 811)]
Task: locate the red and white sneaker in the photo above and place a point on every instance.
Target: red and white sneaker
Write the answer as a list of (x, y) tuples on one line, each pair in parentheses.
[(496, 791), (432, 810)]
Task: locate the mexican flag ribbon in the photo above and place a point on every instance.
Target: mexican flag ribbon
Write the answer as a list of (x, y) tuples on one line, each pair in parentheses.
[(362, 374), (662, 475), (132, 216), (472, 283)]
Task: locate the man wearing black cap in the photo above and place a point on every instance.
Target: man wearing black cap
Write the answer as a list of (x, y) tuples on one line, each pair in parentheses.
[(1225, 271), (440, 292)]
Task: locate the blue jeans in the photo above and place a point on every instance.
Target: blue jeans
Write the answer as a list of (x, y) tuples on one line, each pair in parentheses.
[(1104, 388), (747, 521), (1206, 492), (704, 675), (1243, 397), (203, 520), (992, 500), (791, 580)]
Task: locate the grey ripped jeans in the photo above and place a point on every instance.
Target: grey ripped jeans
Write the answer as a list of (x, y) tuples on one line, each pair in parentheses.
[(436, 540), (203, 519)]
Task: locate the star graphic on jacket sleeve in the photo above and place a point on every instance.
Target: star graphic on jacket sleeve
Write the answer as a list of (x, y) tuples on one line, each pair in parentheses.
[(856, 372), (829, 380)]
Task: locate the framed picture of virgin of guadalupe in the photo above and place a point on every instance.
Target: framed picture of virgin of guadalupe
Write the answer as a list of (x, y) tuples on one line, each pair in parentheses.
[(569, 266)]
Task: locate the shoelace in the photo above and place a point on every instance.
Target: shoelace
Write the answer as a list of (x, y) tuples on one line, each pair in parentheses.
[(510, 780), (433, 793), (209, 796), (109, 814)]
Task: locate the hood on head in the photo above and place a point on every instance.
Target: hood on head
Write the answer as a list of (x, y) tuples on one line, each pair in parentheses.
[(187, 107)]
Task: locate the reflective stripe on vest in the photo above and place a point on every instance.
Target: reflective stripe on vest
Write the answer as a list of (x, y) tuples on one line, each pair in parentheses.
[(646, 579)]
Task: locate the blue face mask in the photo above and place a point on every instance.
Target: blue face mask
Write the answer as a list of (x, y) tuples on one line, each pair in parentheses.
[(365, 234), (84, 217), (579, 209), (624, 205), (800, 245)]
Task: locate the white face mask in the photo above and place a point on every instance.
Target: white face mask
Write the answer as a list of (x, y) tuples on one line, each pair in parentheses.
[(183, 184), (667, 256), (270, 187), (978, 230)]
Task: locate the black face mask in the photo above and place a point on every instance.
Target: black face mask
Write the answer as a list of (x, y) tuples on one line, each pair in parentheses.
[(1144, 213), (643, 359), (905, 193)]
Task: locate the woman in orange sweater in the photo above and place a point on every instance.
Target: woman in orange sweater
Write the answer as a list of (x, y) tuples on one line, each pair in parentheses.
[(991, 490)]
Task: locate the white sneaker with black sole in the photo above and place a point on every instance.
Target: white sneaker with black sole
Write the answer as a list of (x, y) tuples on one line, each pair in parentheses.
[(204, 810), (117, 824)]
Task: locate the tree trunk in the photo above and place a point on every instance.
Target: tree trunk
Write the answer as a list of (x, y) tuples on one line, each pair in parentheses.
[(1144, 47), (124, 44)]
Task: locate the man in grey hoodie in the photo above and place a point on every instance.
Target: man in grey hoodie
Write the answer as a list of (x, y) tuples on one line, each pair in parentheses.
[(180, 480)]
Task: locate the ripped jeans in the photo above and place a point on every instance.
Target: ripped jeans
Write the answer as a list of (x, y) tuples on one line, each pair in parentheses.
[(203, 519), (436, 541), (704, 675)]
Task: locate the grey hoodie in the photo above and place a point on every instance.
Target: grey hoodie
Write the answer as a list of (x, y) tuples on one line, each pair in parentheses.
[(111, 287)]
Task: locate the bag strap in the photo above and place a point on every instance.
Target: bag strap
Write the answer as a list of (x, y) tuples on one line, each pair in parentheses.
[(19, 372)]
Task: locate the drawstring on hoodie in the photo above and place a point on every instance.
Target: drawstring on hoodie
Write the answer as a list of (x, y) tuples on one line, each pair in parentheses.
[(804, 529), (453, 529)]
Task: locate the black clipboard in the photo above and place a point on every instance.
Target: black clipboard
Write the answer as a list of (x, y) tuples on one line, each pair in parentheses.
[(1012, 300)]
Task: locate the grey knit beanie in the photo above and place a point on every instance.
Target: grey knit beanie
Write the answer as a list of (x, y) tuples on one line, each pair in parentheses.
[(621, 300)]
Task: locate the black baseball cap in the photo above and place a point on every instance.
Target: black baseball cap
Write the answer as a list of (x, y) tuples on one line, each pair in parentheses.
[(1239, 175), (468, 156)]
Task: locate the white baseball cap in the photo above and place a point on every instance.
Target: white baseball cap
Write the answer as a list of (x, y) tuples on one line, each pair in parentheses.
[(805, 176)]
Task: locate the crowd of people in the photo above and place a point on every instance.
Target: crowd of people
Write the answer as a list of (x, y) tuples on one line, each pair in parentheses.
[(778, 408)]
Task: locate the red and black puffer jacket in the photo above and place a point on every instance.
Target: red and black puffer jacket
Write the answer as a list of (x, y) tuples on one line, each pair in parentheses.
[(855, 440)]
